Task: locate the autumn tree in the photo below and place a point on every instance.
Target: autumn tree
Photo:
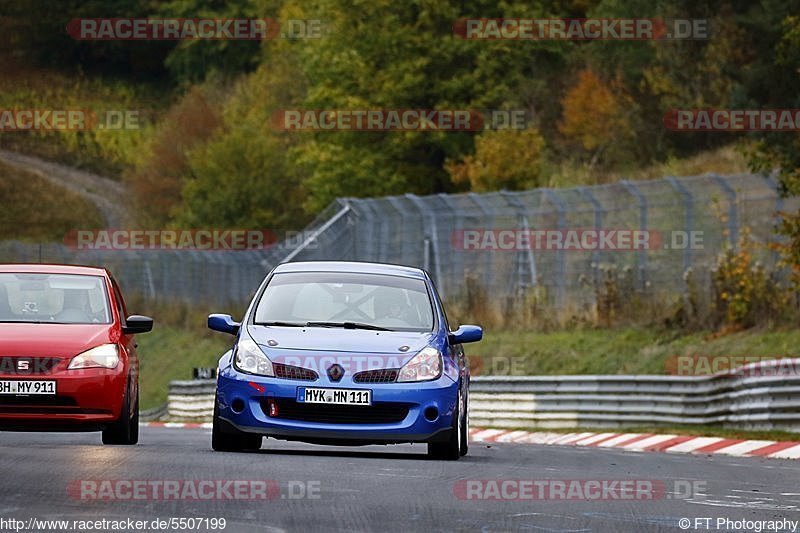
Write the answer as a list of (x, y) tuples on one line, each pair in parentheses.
[(503, 159), (595, 118), (157, 179)]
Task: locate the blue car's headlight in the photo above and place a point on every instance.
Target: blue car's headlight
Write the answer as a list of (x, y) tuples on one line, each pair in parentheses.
[(424, 366), (248, 357)]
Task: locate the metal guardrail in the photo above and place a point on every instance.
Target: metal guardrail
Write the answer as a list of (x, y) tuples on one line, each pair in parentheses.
[(156, 413), (762, 395), (191, 400)]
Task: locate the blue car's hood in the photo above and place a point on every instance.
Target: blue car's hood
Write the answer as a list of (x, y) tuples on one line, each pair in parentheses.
[(340, 340)]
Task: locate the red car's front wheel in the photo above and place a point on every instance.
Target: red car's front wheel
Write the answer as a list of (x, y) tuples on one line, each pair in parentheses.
[(125, 431)]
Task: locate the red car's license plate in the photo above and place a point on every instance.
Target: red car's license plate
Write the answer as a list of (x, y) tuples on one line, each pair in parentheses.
[(40, 388)]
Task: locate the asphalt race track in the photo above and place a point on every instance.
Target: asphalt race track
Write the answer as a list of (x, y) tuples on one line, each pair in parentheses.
[(384, 488)]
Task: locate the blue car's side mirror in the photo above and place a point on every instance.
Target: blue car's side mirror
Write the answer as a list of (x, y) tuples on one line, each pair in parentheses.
[(466, 334), (223, 323)]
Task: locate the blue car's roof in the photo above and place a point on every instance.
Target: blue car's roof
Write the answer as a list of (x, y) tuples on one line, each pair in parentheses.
[(351, 266)]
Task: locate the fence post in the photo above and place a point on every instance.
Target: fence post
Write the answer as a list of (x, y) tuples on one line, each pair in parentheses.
[(386, 227), (311, 238), (774, 186), (455, 265), (433, 236), (561, 209), (148, 276), (523, 256), (733, 210), (688, 220), (598, 224), (641, 255), (487, 214)]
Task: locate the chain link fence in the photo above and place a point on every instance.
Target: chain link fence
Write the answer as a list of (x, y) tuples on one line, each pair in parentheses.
[(159, 275), (431, 232)]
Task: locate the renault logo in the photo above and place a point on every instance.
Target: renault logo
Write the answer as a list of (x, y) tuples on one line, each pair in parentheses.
[(335, 372)]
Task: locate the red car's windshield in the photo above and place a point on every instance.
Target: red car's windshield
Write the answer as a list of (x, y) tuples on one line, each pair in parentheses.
[(53, 298)]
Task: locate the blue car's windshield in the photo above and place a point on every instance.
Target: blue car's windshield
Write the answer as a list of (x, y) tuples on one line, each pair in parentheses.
[(328, 299)]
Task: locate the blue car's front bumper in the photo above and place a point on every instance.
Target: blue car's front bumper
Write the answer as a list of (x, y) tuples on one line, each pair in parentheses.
[(250, 394)]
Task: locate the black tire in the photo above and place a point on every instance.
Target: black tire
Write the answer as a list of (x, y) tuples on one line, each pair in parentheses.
[(449, 450), (226, 439), (125, 431), (465, 428)]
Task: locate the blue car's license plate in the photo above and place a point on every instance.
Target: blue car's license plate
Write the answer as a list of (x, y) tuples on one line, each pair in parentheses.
[(334, 396)]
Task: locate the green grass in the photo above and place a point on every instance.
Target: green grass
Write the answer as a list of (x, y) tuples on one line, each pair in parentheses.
[(33, 209), (105, 151), (168, 354), (729, 159), (633, 350)]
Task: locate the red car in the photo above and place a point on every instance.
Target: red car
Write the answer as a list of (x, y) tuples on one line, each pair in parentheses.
[(67, 352)]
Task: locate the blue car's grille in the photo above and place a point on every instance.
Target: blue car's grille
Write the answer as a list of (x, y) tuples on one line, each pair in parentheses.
[(388, 375), (293, 372), (380, 413)]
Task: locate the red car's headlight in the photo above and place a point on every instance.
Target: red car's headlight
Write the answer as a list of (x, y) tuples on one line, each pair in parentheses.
[(103, 356)]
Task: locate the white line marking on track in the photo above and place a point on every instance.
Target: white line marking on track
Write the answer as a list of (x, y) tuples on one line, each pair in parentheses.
[(694, 444), (611, 443), (745, 447), (649, 441), (788, 453)]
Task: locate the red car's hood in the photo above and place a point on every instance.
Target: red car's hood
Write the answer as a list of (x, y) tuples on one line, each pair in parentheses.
[(53, 340)]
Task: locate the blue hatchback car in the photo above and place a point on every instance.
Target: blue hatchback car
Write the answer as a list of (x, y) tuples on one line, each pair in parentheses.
[(344, 353)]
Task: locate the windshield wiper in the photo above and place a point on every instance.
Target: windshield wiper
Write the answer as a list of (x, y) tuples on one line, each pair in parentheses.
[(284, 324), (347, 325)]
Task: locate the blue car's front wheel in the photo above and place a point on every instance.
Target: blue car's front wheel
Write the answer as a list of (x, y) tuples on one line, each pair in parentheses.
[(465, 427), (225, 438), (451, 449)]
